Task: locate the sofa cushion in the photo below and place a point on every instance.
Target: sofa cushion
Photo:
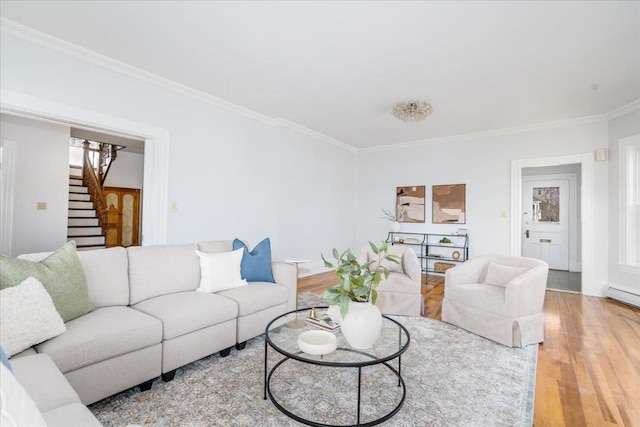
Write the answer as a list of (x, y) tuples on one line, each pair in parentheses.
[(107, 273), (500, 275), (102, 334), (74, 415), (60, 273), (18, 409), (162, 270), (256, 265), (186, 312), (215, 246), (220, 271), (257, 296), (28, 316), (44, 382)]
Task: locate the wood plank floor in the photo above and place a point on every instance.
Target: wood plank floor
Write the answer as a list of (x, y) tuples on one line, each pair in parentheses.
[(588, 367)]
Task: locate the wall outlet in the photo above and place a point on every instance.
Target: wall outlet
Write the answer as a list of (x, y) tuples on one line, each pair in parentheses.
[(173, 207), (503, 213), (41, 206)]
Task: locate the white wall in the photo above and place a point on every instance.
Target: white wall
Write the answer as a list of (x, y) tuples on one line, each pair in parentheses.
[(126, 171), (619, 128), (41, 175), (230, 175), (483, 164)]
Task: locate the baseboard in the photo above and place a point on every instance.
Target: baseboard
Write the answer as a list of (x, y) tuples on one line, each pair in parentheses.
[(623, 296)]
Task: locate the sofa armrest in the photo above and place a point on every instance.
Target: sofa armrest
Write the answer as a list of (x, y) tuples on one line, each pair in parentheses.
[(285, 274), (44, 382)]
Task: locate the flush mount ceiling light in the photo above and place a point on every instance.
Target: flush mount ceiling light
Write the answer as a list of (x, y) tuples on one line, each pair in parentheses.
[(412, 111)]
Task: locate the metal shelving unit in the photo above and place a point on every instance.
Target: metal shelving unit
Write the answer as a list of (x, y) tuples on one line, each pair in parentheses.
[(434, 256)]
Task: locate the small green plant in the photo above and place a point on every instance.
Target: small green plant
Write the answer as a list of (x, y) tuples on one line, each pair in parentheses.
[(445, 240), (358, 282)]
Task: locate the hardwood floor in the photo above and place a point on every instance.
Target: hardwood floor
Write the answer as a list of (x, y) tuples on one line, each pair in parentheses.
[(588, 367)]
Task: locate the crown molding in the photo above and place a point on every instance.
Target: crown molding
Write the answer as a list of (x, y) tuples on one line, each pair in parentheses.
[(37, 37), (632, 106), (314, 134), (29, 34), (621, 111)]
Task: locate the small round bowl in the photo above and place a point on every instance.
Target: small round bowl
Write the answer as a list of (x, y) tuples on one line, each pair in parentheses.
[(317, 342)]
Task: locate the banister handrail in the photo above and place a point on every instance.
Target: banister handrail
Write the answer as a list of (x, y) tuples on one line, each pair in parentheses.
[(90, 180)]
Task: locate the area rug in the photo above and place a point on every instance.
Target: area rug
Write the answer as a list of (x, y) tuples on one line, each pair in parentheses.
[(452, 377)]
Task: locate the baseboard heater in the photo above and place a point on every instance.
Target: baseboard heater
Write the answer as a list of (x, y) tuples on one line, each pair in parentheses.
[(623, 296)]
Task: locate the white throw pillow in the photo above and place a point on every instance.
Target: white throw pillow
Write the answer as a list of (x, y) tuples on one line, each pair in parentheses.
[(500, 275), (220, 271), (28, 316), (18, 409)]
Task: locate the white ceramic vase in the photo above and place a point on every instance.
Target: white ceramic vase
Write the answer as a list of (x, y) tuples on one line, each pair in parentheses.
[(362, 325), (396, 226)]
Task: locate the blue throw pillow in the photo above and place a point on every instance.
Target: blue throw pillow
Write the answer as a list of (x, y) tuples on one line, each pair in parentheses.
[(256, 265), (4, 360)]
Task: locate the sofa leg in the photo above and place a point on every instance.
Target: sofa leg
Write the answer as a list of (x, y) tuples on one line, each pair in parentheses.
[(225, 352), (241, 345), (168, 376), (146, 386)]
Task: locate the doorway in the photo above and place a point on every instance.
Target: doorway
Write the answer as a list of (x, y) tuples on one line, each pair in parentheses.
[(550, 215), (156, 156), (544, 173)]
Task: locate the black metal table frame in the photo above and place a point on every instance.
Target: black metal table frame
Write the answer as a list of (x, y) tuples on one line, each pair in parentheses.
[(359, 365)]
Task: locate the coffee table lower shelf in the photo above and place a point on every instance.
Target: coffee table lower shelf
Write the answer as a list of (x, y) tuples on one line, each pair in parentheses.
[(267, 392)]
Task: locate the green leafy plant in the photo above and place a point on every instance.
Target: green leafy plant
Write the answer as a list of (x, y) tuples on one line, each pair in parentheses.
[(445, 240), (358, 282)]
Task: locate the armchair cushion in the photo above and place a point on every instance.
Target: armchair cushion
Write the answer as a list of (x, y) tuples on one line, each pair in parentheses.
[(500, 275)]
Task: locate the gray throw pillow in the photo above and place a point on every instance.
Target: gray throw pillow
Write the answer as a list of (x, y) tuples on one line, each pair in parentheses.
[(60, 273)]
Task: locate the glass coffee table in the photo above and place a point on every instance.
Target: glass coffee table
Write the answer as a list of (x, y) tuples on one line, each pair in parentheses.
[(345, 387)]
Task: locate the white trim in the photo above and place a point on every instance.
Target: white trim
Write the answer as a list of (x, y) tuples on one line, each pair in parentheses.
[(156, 174), (623, 295), (312, 133), (587, 211), (64, 47), (572, 177), (627, 224), (7, 190), (29, 34)]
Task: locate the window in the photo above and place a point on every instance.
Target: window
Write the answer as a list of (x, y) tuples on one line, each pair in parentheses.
[(630, 201)]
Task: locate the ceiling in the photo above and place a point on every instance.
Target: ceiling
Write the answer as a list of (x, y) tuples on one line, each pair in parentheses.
[(338, 68)]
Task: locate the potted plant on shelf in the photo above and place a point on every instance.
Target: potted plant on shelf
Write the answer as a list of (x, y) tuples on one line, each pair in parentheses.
[(394, 216), (356, 294)]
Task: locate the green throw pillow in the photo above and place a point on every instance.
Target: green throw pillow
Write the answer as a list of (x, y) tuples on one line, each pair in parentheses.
[(60, 273)]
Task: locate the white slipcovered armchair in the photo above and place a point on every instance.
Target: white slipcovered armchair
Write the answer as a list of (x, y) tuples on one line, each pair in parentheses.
[(498, 297), (401, 292)]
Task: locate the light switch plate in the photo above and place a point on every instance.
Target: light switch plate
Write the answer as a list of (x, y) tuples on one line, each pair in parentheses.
[(41, 206)]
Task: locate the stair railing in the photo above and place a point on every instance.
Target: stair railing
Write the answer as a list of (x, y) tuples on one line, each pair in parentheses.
[(90, 180)]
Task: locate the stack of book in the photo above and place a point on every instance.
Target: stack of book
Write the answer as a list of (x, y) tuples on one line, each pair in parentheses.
[(324, 322)]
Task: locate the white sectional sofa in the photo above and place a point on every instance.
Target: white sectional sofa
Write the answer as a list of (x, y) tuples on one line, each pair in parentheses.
[(150, 320)]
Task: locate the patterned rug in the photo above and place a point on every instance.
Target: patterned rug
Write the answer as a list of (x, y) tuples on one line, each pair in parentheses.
[(452, 377)]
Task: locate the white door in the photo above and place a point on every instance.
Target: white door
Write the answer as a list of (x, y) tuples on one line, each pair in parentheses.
[(545, 222)]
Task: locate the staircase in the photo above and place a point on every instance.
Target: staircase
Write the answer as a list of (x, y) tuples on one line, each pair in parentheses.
[(82, 225)]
